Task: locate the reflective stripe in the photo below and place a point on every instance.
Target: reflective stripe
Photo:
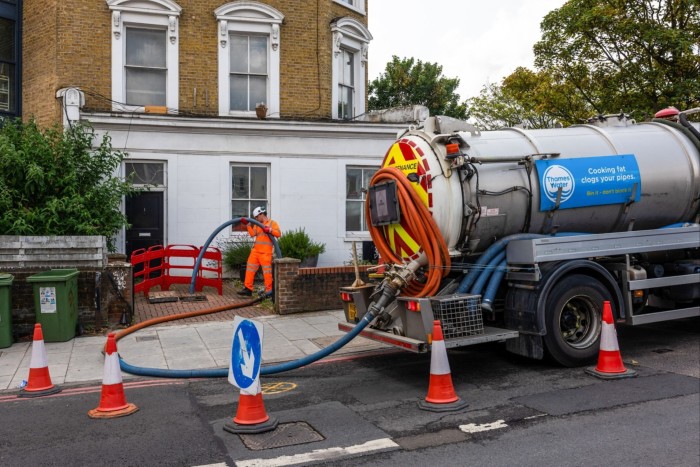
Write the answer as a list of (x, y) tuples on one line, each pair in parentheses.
[(608, 337), (438, 359), (112, 373), (39, 359)]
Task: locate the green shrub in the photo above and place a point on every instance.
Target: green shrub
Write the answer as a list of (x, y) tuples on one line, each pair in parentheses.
[(59, 182), (235, 253), (297, 244)]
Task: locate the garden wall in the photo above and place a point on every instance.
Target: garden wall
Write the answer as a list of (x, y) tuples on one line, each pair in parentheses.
[(311, 289), (98, 301)]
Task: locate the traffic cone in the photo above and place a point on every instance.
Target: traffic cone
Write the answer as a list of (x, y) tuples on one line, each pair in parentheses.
[(441, 393), (113, 400), (39, 381), (251, 417), (610, 364)]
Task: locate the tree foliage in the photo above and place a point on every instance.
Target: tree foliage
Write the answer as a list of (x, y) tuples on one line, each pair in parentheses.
[(412, 82), (633, 55), (602, 57), (54, 182)]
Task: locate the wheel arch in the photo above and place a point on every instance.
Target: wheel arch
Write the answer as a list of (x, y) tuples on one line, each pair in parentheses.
[(585, 267)]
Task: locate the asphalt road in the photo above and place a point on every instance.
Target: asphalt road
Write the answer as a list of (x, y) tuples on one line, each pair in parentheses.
[(364, 411)]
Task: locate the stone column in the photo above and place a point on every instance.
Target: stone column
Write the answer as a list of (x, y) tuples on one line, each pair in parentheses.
[(116, 296)]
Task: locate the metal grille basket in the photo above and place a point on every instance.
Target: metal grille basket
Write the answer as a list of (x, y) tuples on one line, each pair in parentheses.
[(459, 315)]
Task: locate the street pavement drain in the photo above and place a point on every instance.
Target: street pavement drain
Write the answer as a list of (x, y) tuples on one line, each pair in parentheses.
[(286, 434)]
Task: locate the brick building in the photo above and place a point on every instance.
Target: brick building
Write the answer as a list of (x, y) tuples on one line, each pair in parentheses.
[(10, 57), (177, 86)]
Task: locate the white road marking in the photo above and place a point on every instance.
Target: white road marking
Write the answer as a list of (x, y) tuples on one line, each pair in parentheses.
[(320, 454), (220, 464), (535, 416), (474, 428)]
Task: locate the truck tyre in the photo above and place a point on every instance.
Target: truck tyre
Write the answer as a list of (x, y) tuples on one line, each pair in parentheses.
[(573, 313)]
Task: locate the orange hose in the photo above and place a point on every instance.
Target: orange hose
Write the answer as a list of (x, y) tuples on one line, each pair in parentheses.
[(416, 217), (188, 314)]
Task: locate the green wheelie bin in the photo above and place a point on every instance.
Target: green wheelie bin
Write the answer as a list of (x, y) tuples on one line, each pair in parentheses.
[(5, 310), (56, 303)]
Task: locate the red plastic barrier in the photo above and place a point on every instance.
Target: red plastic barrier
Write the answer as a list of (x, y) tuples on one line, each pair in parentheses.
[(140, 268), (158, 266), (148, 265), (212, 254), (179, 258)]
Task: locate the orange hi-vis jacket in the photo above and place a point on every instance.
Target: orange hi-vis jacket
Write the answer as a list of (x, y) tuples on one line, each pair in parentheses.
[(263, 244)]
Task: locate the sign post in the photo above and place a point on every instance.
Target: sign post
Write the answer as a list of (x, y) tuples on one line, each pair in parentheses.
[(244, 373)]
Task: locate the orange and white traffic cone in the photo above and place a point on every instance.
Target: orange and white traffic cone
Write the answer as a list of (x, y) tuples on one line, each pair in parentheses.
[(441, 393), (113, 400), (610, 364), (251, 416), (39, 381)]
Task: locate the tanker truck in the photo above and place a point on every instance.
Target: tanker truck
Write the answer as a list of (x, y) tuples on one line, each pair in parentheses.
[(522, 235)]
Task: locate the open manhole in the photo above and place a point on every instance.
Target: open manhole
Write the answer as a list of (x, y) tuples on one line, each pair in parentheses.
[(286, 434), (146, 338)]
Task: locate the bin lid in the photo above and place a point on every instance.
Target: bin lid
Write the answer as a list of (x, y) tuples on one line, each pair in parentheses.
[(53, 275), (6, 279)]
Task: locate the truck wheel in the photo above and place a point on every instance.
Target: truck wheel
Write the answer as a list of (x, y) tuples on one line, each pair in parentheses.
[(573, 314)]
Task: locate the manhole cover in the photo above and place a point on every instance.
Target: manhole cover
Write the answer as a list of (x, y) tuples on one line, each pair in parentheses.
[(286, 434), (146, 338), (163, 297)]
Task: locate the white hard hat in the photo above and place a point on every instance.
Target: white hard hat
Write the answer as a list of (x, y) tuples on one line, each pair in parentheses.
[(259, 210)]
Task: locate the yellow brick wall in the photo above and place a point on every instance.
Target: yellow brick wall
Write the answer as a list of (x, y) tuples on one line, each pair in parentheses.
[(68, 43), (39, 61)]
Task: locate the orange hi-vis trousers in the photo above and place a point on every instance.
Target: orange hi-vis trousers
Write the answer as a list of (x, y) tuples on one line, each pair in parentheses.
[(261, 255), (255, 260)]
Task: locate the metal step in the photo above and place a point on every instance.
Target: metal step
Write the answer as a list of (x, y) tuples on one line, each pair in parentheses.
[(490, 334)]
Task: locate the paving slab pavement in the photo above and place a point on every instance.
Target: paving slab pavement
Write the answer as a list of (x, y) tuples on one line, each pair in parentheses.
[(195, 345)]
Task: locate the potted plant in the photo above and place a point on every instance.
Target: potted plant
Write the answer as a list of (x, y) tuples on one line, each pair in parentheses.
[(235, 255), (297, 244), (261, 110)]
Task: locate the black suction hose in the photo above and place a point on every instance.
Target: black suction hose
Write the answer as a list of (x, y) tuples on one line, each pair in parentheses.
[(684, 121), (267, 370)]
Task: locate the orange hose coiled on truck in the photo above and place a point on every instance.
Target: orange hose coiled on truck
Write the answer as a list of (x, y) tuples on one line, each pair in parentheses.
[(416, 217)]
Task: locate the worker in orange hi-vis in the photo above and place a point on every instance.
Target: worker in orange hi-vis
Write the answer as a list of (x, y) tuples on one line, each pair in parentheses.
[(261, 254)]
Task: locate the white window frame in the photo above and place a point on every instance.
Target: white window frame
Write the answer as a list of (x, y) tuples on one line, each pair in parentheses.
[(355, 5), (356, 233), (162, 14), (268, 188), (249, 18), (351, 35)]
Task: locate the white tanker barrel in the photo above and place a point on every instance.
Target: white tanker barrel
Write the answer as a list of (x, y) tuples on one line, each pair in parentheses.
[(585, 178)]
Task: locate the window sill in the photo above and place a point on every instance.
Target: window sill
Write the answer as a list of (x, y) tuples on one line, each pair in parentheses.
[(251, 114), (360, 10), (357, 237)]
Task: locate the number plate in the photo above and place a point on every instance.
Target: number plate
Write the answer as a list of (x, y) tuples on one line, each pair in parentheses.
[(352, 312)]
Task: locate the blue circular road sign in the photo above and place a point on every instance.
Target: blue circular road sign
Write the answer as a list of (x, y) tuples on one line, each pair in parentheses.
[(246, 354)]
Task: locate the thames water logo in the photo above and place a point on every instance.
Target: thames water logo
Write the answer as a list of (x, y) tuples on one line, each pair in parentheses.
[(556, 177)]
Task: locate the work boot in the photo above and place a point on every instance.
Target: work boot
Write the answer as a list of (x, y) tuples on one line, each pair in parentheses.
[(246, 292)]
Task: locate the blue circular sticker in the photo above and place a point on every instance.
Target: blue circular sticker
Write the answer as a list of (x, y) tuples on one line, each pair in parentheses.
[(558, 177), (246, 354)]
